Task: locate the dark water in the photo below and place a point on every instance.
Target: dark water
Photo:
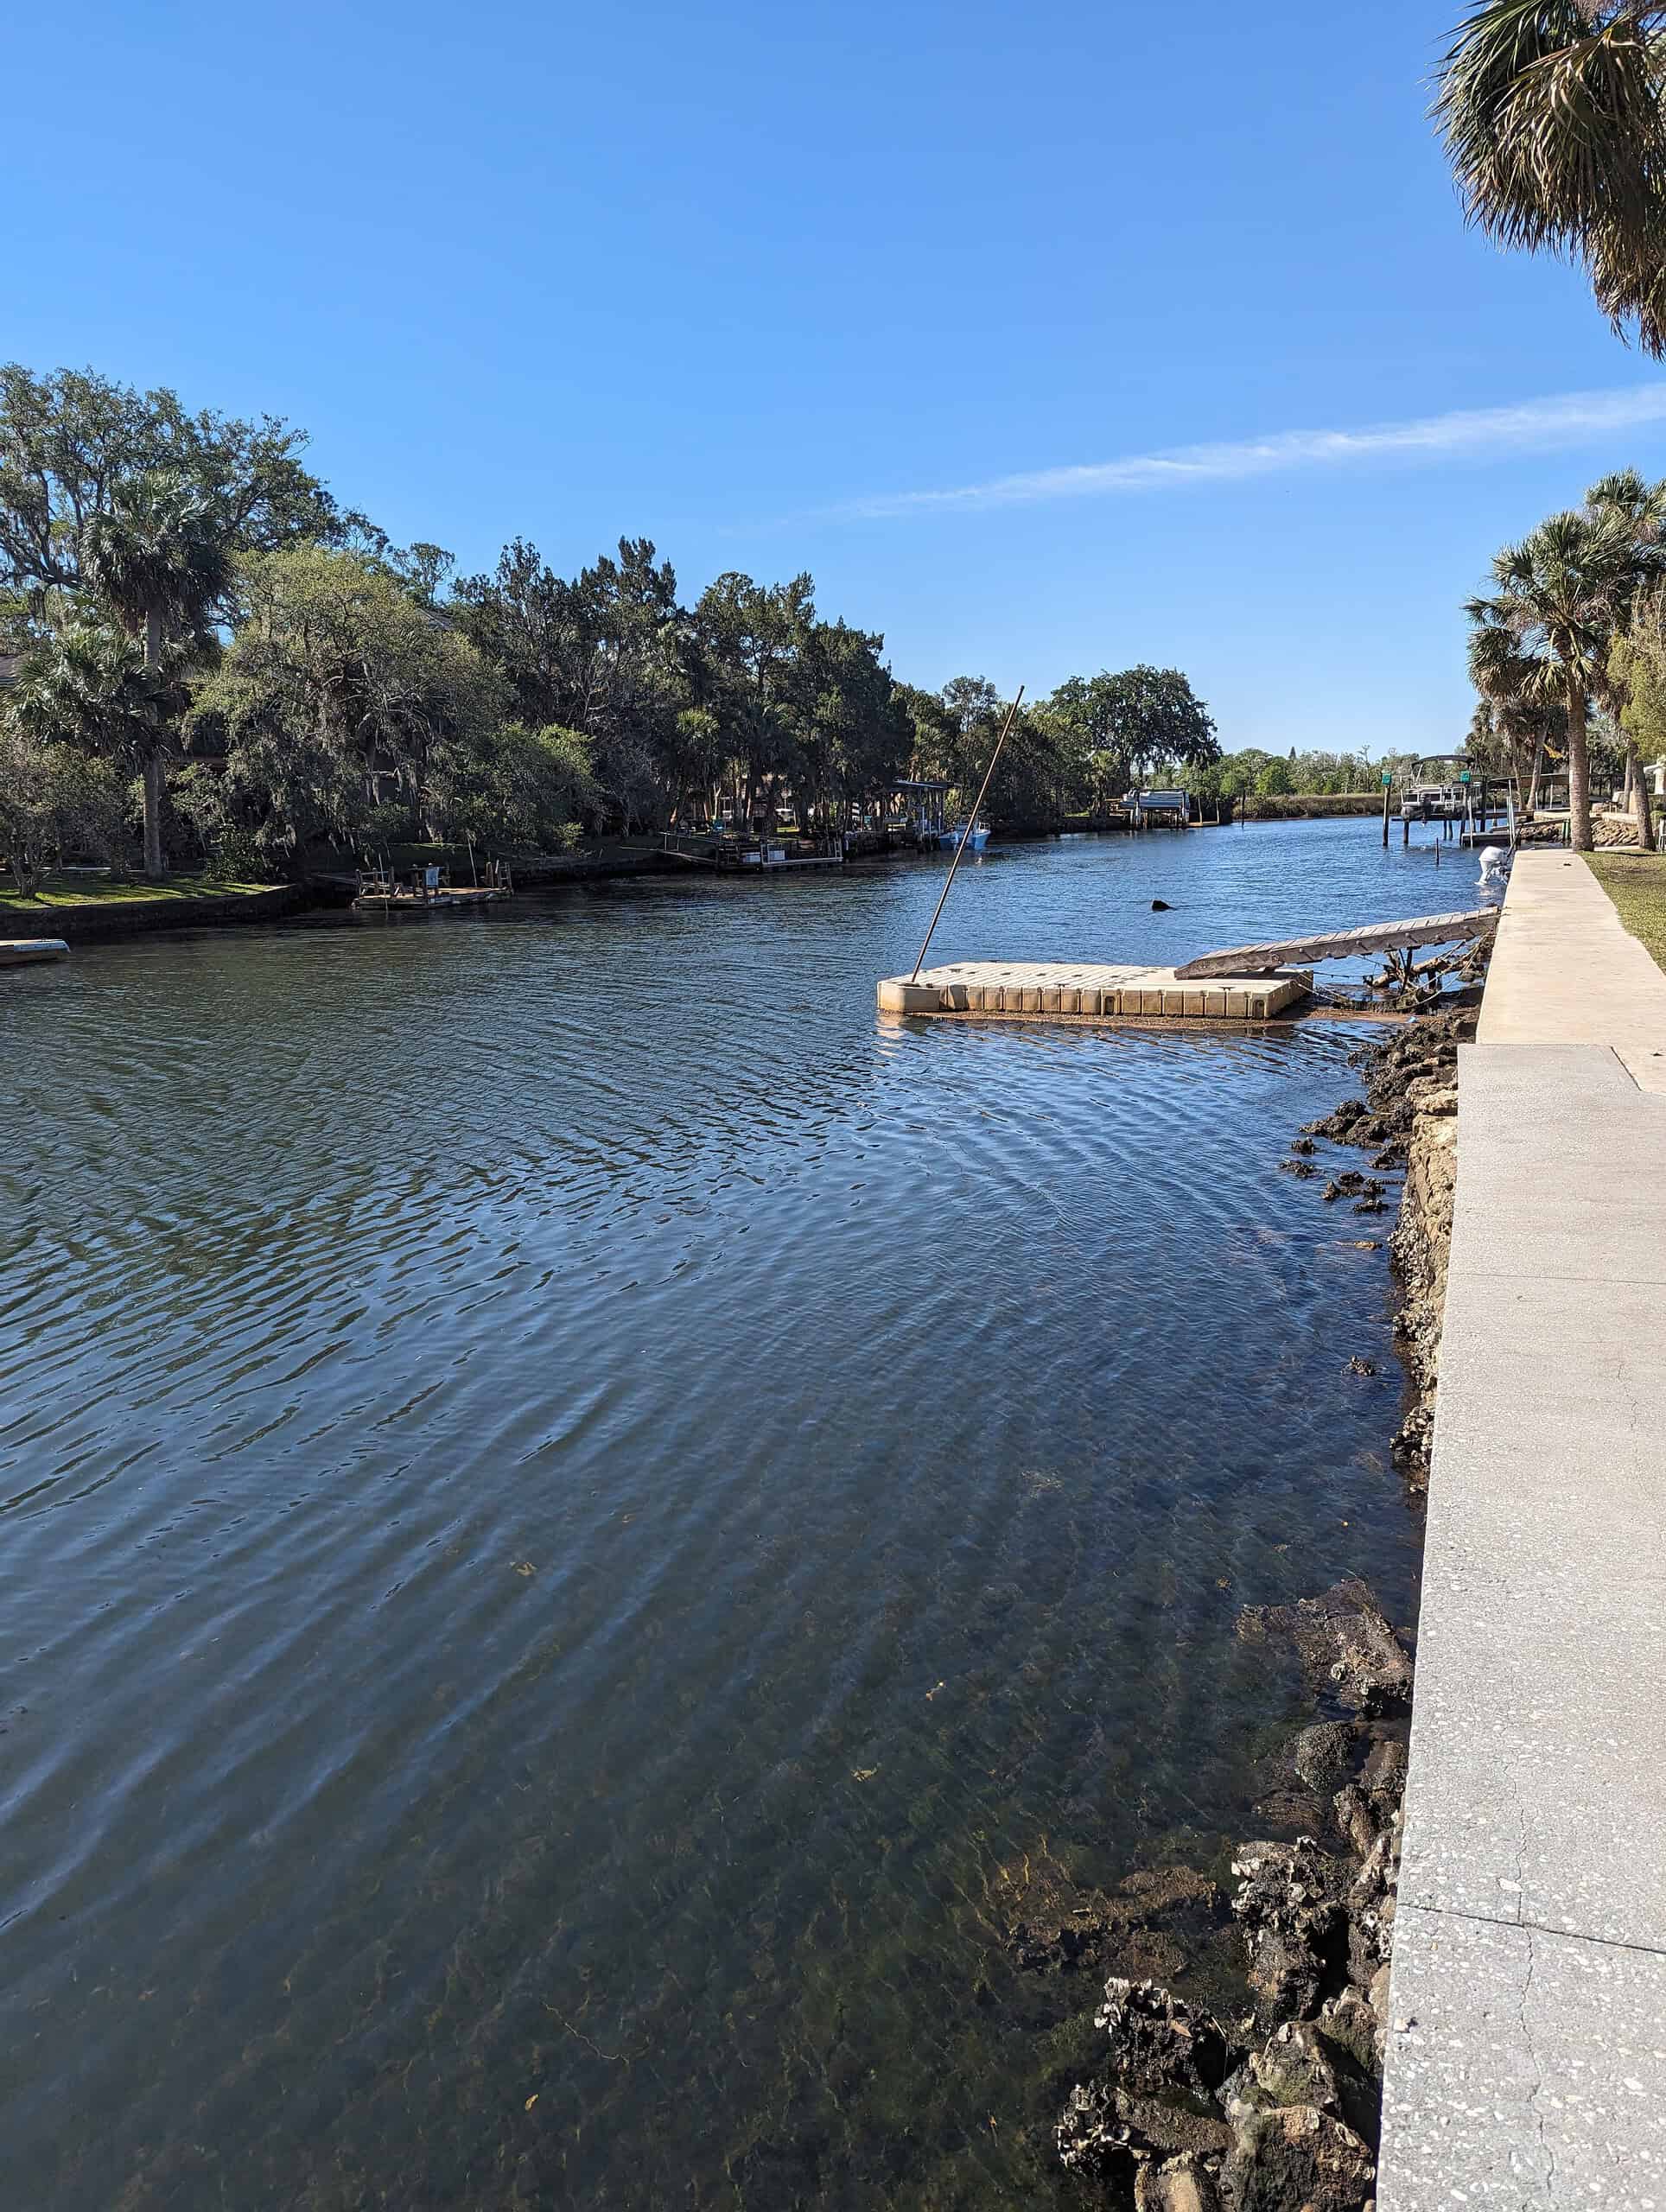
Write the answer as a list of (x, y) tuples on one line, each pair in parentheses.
[(570, 1501)]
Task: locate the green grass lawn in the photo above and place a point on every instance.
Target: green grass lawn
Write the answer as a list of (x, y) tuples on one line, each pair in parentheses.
[(1636, 884), (100, 891)]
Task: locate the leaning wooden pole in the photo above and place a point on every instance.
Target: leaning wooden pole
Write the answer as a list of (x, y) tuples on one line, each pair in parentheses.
[(970, 823)]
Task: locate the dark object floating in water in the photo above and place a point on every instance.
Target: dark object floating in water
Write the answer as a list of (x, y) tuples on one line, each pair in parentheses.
[(1161, 906)]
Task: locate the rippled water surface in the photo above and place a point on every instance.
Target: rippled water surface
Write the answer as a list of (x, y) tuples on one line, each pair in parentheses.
[(570, 1500)]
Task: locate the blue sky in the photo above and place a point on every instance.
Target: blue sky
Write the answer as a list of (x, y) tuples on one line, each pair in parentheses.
[(745, 280)]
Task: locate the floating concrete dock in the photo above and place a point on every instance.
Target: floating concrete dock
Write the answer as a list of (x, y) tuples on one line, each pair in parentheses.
[(1072, 991), (24, 951), (1246, 983)]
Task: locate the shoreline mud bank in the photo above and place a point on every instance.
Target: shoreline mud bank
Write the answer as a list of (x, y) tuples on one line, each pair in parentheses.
[(1269, 2098)]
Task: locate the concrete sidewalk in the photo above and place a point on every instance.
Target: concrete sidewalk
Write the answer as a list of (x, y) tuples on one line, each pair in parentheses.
[(1526, 2047), (1565, 970)]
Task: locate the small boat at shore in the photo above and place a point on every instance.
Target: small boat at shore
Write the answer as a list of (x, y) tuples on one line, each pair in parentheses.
[(25, 951), (976, 840)]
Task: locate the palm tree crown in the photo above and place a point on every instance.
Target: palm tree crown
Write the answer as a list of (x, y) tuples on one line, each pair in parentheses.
[(1560, 592), (156, 557), (1554, 119), (86, 683)]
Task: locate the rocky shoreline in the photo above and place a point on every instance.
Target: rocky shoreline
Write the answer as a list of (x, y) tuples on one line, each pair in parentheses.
[(1407, 1119), (1274, 2106)]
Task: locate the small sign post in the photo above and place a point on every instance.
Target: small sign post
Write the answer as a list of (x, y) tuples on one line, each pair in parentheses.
[(1388, 782)]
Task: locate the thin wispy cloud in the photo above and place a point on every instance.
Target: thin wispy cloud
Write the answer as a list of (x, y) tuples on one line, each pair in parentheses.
[(1572, 418)]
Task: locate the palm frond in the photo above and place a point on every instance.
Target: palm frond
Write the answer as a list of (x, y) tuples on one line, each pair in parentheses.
[(1629, 281), (1554, 114), (1553, 121)]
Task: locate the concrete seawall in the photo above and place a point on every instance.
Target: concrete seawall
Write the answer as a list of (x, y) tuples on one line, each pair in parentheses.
[(1526, 2062), (115, 918)]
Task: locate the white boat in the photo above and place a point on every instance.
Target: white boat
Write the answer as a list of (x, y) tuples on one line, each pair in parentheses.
[(1434, 802), (975, 842)]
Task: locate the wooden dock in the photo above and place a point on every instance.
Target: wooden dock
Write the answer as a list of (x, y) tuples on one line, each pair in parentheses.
[(1053, 990), (765, 855), (377, 899)]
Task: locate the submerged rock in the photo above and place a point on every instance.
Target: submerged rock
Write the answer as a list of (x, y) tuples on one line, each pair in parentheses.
[(1344, 1638), (1295, 2158), (1149, 1928), (1185, 2115), (1157, 2094)]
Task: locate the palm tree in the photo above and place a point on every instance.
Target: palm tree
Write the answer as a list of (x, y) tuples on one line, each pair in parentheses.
[(157, 561), (1642, 506), (1561, 596), (1553, 115), (85, 682), (86, 717), (1507, 729), (1513, 723)]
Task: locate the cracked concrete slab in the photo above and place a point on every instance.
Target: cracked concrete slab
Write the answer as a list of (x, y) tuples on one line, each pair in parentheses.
[(1538, 1776), (1525, 2069)]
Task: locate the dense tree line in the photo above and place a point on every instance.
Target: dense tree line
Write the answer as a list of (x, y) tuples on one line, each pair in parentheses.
[(199, 639), (1253, 773)]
